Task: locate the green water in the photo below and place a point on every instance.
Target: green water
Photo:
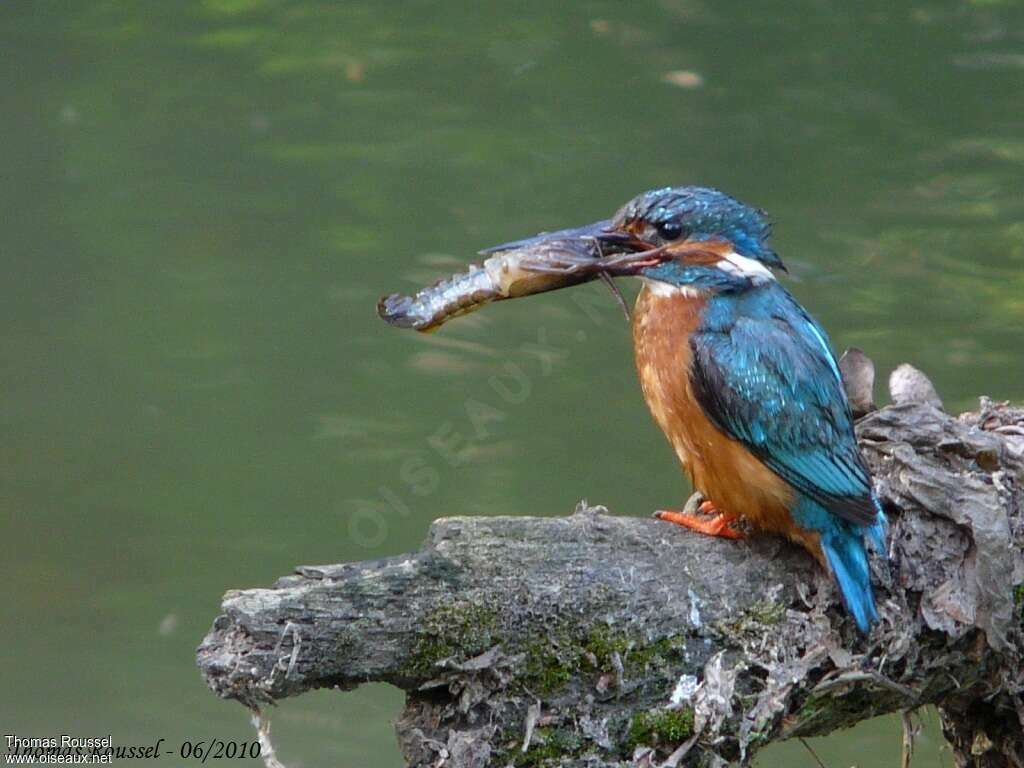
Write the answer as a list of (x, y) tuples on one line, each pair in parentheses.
[(203, 200)]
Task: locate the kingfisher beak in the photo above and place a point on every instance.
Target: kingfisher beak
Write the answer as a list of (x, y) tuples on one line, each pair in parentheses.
[(594, 231), (624, 235), (626, 253), (619, 252), (615, 240)]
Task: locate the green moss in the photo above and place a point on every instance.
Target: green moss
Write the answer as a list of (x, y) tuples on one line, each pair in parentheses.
[(465, 630), (548, 748), (462, 630), (546, 670), (552, 663), (427, 654), (659, 727), (603, 643)]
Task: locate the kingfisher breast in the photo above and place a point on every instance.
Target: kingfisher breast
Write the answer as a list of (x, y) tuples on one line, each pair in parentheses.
[(663, 321), (723, 469)]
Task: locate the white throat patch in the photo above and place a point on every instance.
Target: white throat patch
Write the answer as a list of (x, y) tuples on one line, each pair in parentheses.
[(667, 290), (740, 266)]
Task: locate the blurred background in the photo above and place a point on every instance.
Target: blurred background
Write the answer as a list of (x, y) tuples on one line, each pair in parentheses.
[(203, 201)]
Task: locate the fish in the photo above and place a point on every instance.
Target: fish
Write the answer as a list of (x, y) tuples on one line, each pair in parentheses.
[(545, 262)]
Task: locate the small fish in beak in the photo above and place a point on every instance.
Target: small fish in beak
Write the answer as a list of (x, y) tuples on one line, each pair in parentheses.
[(545, 262)]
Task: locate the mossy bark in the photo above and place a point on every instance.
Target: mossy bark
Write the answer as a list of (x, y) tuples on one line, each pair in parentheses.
[(594, 640)]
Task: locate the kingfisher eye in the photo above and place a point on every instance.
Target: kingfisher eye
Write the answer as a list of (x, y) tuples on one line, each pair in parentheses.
[(670, 230)]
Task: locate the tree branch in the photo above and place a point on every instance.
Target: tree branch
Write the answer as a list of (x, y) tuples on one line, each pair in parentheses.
[(594, 640)]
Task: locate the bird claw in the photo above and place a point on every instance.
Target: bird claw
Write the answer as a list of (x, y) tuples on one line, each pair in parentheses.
[(692, 504), (708, 508), (701, 515)]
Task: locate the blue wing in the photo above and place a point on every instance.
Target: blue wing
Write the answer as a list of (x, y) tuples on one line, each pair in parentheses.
[(764, 374)]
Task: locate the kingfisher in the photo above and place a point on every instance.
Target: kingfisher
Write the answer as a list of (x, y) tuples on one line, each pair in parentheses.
[(744, 384)]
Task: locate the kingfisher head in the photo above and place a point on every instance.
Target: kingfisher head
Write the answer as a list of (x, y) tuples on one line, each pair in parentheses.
[(706, 238), (689, 237)]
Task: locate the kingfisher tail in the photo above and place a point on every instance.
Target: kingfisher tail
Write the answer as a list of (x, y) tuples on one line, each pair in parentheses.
[(848, 560), (845, 546)]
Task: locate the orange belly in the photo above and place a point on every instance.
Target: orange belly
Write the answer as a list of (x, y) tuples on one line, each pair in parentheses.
[(719, 467)]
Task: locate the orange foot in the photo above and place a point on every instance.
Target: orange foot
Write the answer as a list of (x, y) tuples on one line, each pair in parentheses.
[(706, 519)]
